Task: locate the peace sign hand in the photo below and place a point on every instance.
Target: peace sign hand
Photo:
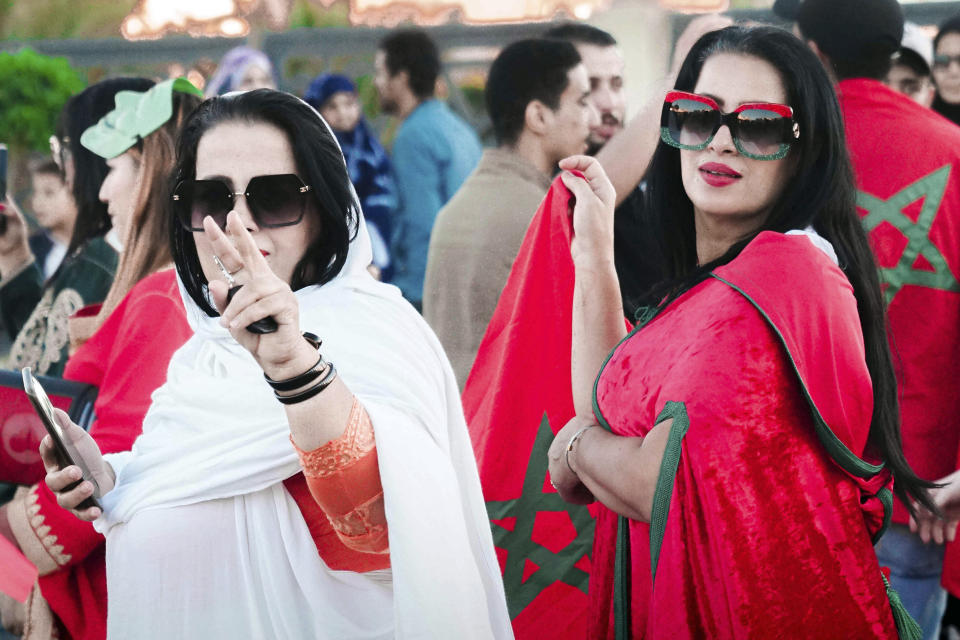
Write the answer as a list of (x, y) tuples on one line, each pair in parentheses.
[(283, 353)]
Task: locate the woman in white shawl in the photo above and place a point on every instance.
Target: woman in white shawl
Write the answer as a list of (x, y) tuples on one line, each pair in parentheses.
[(203, 539)]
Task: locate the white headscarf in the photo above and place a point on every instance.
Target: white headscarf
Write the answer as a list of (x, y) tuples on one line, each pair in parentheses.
[(215, 432)]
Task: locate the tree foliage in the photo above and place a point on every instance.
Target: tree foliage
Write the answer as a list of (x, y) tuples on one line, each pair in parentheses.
[(33, 89)]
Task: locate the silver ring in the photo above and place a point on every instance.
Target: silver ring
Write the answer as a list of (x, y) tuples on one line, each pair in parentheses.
[(226, 274)]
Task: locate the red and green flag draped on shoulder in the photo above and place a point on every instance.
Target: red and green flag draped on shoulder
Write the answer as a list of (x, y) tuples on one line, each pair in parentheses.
[(765, 509), (517, 395)]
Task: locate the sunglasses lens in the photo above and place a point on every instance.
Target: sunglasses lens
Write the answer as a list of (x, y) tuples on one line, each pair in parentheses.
[(690, 123), (201, 198), (762, 132), (277, 201)]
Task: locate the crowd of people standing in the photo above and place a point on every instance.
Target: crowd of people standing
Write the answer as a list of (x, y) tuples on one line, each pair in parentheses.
[(683, 376)]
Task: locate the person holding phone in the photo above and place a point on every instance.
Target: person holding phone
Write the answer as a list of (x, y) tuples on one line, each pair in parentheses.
[(365, 404), (35, 311), (119, 348)]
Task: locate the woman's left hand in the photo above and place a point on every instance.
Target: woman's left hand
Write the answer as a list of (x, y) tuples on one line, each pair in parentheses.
[(283, 353), (562, 477)]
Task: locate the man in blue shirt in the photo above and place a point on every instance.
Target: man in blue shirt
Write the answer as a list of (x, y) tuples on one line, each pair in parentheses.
[(434, 151)]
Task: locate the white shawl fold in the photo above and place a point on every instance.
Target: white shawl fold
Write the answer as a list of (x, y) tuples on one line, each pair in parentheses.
[(215, 449)]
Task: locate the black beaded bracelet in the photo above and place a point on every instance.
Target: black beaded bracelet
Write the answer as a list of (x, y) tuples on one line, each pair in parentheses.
[(325, 382)]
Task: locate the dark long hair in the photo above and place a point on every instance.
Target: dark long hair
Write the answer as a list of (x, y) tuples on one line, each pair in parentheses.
[(950, 25), (80, 112), (821, 193), (319, 164)]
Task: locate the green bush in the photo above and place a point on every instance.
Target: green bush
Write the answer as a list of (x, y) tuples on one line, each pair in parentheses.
[(33, 89)]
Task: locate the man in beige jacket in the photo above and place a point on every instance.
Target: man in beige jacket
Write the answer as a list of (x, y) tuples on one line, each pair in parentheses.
[(538, 100)]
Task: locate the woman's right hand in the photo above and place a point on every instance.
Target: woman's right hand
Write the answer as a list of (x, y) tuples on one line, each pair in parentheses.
[(58, 479), (593, 210), (14, 249)]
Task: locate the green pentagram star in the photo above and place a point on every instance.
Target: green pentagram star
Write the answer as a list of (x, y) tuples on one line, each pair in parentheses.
[(519, 544), (931, 188)]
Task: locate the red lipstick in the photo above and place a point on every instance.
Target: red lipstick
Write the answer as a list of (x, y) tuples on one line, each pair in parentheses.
[(716, 174)]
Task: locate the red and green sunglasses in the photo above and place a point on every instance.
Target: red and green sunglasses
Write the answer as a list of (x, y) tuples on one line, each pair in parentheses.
[(761, 131)]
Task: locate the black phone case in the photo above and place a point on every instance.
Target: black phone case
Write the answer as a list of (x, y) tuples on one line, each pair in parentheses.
[(60, 450), (261, 326)]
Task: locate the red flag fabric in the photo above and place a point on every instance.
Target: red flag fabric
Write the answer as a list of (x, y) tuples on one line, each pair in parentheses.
[(907, 161), (18, 574), (517, 396), (765, 509)]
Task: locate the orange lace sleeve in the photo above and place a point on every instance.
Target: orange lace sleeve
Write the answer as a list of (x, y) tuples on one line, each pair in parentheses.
[(344, 479)]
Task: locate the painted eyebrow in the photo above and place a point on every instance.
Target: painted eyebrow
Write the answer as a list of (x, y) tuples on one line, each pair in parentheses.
[(225, 179)]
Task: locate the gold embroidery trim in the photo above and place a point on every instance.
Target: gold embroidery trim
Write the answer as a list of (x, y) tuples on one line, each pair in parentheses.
[(34, 536), (46, 332)]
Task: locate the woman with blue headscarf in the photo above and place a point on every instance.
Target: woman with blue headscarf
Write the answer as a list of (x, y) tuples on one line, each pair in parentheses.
[(335, 97), (242, 69)]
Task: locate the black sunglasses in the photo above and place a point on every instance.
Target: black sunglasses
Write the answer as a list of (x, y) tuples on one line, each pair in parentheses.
[(942, 61), (761, 131), (274, 201)]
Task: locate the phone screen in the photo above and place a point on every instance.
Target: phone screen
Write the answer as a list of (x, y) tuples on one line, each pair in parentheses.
[(65, 453)]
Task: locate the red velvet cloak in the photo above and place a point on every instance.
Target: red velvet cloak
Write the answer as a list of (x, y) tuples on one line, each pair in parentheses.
[(764, 509)]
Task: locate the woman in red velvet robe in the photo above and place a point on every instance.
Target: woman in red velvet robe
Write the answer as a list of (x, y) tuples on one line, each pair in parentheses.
[(750, 432)]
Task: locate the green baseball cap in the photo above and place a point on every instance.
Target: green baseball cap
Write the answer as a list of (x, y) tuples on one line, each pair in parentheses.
[(135, 116)]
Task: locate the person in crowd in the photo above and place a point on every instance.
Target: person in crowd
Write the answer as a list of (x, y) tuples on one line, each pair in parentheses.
[(902, 152), (125, 353), (910, 70), (618, 149), (537, 97), (242, 69), (56, 213), (249, 400), (770, 278), (434, 151), (512, 431), (35, 311), (946, 70), (605, 66), (335, 97)]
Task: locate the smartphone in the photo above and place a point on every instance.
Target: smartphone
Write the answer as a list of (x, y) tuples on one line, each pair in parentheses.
[(3, 185), (66, 454)]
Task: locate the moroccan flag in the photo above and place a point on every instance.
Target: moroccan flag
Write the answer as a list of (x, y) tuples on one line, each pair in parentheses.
[(17, 574), (516, 397)]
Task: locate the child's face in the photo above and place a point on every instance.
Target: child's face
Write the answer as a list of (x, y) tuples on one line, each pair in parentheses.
[(52, 203), (341, 111)]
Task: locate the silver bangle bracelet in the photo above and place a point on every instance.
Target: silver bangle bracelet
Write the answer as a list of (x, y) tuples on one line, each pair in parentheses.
[(573, 441)]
